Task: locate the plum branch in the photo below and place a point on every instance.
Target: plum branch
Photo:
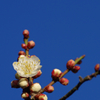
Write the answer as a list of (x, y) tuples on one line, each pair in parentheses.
[(28, 68), (81, 81)]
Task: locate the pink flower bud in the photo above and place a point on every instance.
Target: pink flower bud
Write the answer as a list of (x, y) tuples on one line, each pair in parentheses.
[(75, 69), (26, 33), (31, 44), (24, 46), (70, 64), (14, 84), (38, 74), (64, 81), (36, 87), (79, 61), (42, 97), (97, 67), (49, 89), (25, 95), (56, 74), (21, 53), (23, 83)]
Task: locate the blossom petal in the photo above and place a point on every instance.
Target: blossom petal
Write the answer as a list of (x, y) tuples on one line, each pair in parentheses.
[(27, 67), (35, 59)]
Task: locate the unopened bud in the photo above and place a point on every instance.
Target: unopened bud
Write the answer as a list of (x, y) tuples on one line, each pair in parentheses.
[(97, 67), (23, 83), (42, 97), (26, 33), (70, 64), (24, 46), (36, 87), (25, 95), (49, 89), (56, 74), (21, 53), (75, 69), (31, 44), (64, 81), (14, 84), (38, 74)]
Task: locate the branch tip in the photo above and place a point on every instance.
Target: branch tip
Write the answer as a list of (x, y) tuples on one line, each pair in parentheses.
[(83, 56)]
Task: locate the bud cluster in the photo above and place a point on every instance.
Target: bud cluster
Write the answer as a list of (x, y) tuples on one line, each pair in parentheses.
[(26, 83), (30, 44), (56, 74), (71, 65)]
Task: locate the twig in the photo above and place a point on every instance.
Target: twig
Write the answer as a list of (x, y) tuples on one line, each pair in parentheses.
[(81, 81), (65, 72)]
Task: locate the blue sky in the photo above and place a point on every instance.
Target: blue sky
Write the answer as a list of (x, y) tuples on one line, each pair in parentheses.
[(62, 30)]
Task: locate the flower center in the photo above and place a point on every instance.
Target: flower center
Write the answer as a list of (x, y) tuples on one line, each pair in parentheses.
[(27, 69)]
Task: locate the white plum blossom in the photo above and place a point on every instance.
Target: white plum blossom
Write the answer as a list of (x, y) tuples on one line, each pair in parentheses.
[(27, 66), (36, 87)]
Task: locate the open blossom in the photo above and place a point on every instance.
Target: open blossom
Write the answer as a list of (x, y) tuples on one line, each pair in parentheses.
[(27, 67)]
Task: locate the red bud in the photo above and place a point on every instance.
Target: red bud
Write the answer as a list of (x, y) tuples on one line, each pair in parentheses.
[(75, 69), (41, 97), (31, 44), (49, 89), (26, 33), (97, 67), (21, 53), (56, 73), (24, 46), (70, 64), (64, 81), (14, 84)]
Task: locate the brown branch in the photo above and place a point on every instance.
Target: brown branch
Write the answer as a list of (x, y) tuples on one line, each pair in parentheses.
[(81, 81)]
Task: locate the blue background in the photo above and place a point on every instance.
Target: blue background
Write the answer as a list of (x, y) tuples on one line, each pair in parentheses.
[(62, 30)]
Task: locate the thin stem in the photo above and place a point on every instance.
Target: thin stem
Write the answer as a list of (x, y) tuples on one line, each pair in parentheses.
[(30, 80), (79, 59), (26, 50), (65, 72)]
